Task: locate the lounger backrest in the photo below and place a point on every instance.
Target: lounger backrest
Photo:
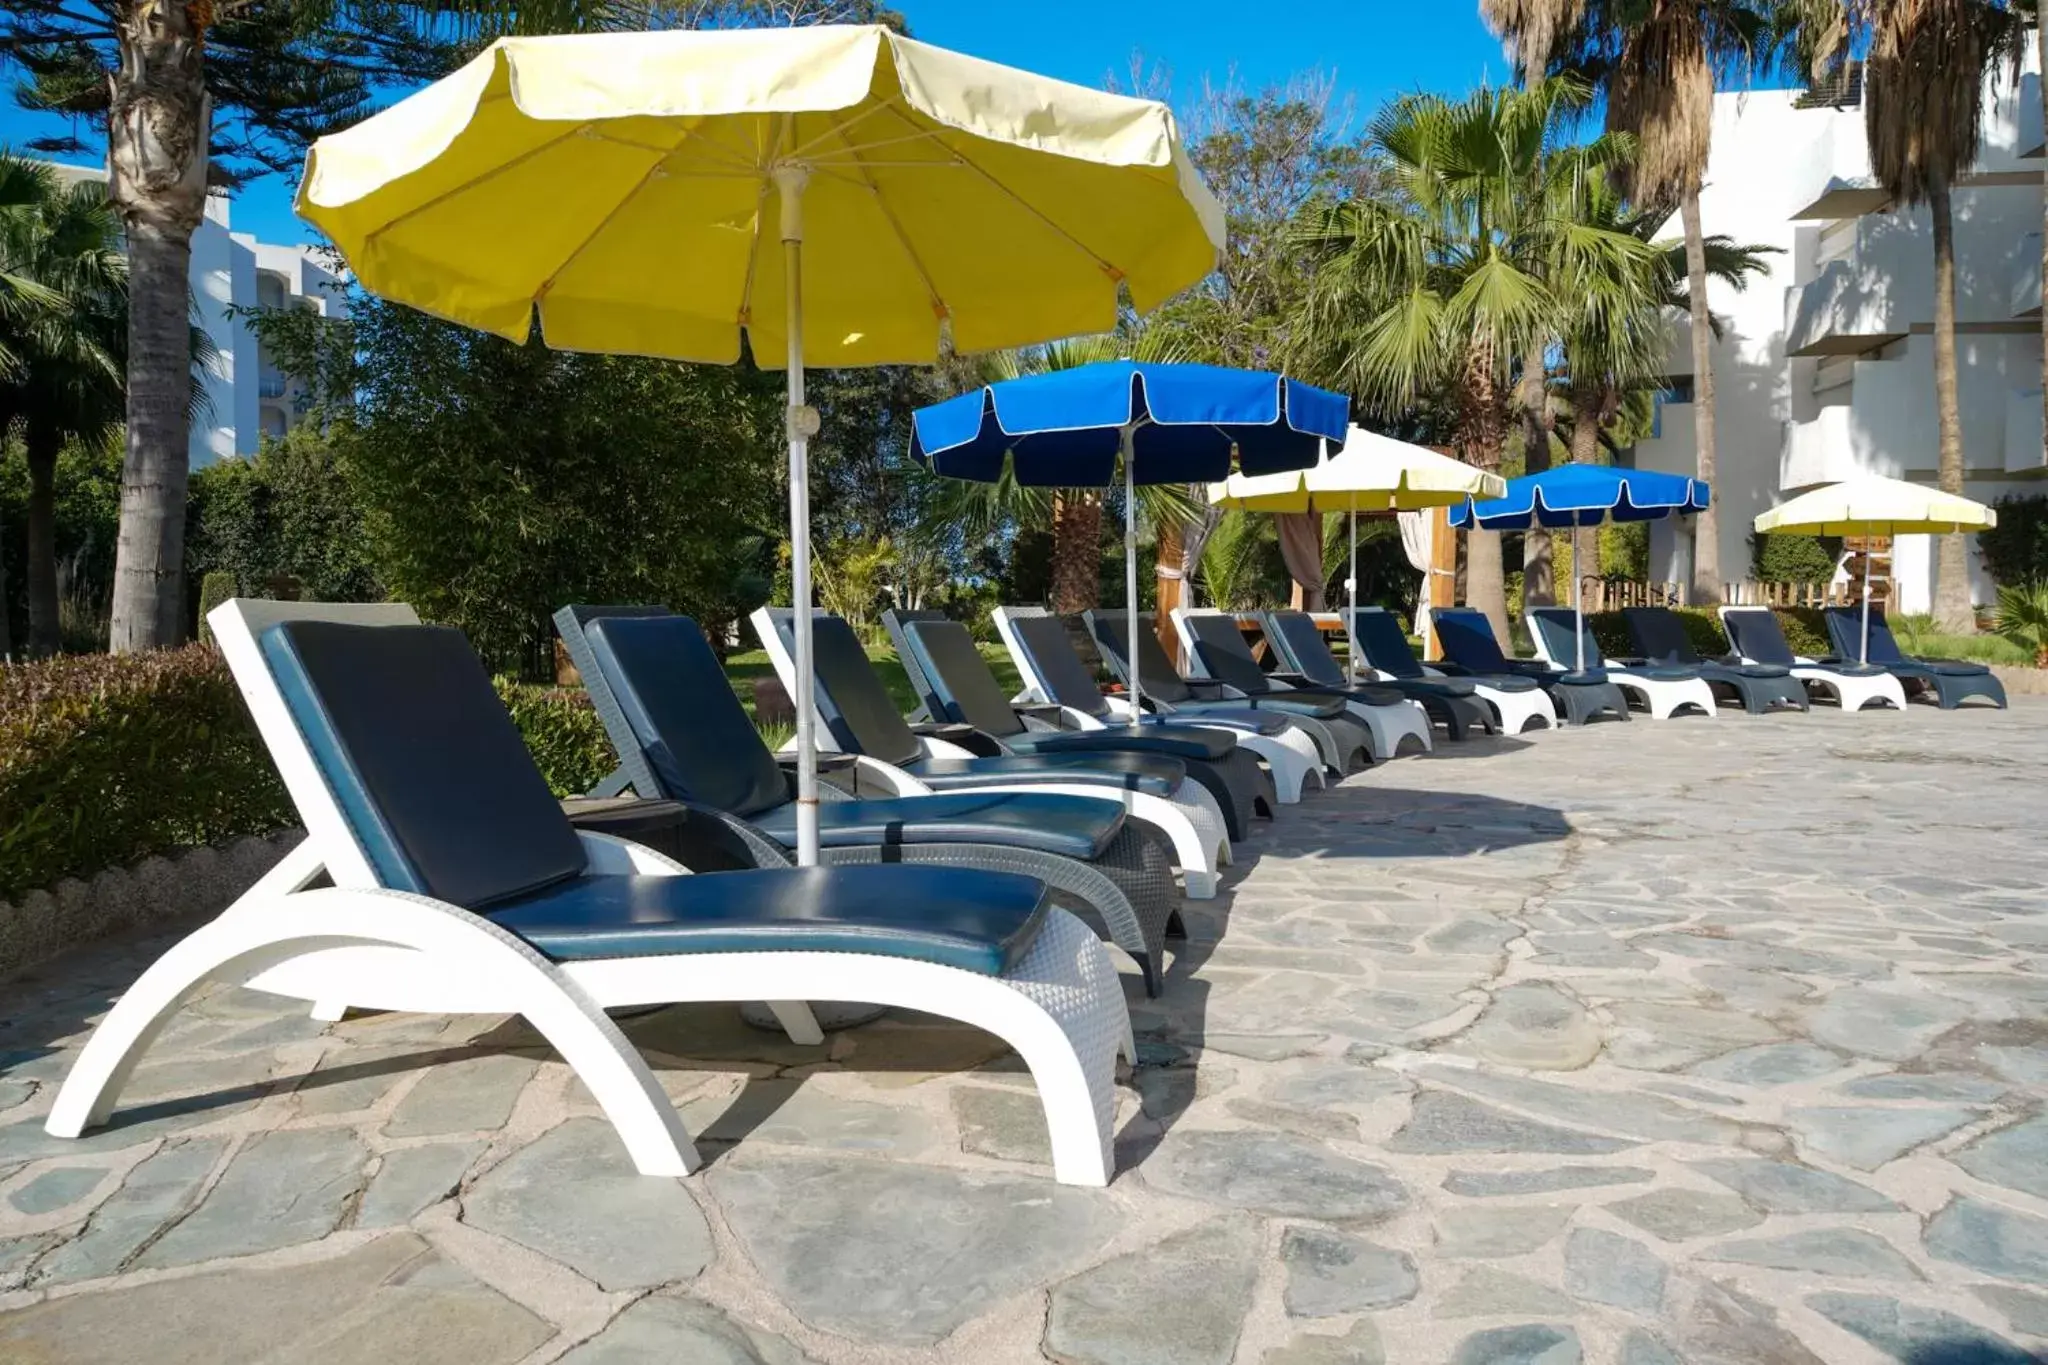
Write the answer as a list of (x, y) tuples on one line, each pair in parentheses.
[(1377, 636), (1553, 625), (963, 684), (1047, 644), (684, 714), (1845, 633), (1297, 636), (1220, 645), (572, 623), (1755, 633), (1162, 682), (1659, 635), (1467, 638), (425, 763), (853, 700), (894, 620)]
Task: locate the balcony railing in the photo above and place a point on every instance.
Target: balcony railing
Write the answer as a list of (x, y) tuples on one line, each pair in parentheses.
[(270, 385)]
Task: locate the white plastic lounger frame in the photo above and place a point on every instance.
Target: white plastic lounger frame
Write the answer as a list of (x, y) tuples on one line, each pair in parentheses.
[(1062, 1008), (1291, 757), (1663, 698), (1512, 711), (1191, 821), (1850, 693), (1389, 725)]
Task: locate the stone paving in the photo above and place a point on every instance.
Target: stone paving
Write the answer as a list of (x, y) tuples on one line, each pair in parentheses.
[(1696, 1041)]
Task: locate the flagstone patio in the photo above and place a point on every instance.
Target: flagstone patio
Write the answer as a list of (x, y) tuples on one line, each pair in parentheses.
[(1696, 1041)]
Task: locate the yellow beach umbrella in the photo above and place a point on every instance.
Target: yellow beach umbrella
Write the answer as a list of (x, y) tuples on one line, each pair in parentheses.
[(631, 190), (1876, 506), (1372, 473)]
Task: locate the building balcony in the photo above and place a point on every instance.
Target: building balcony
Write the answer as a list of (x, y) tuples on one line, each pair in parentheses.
[(1843, 311), (1830, 174), (2026, 280), (270, 384), (1819, 451)]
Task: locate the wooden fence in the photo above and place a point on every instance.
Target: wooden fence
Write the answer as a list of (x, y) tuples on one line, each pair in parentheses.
[(1750, 593)]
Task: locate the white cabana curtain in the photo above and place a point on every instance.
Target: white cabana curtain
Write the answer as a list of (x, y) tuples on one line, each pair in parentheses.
[(1417, 534)]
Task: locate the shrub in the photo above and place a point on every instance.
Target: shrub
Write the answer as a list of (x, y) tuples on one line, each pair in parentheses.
[(217, 587), (2016, 550), (2023, 619), (1702, 631), (107, 759), (1783, 558), (562, 732)]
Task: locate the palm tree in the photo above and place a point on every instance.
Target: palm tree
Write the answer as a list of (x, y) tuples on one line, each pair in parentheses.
[(1923, 110), (61, 346), (1426, 296), (1658, 63), (1534, 31), (1614, 356)]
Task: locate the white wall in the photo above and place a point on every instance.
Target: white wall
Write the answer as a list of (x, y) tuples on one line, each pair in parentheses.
[(1789, 421)]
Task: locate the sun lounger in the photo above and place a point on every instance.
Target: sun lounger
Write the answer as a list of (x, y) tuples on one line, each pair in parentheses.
[(1341, 742), (1217, 652), (1514, 701), (1048, 659), (962, 690), (1757, 638), (460, 887), (1664, 689), (662, 694), (1947, 682), (858, 717), (1295, 637), (1660, 636), (1581, 697)]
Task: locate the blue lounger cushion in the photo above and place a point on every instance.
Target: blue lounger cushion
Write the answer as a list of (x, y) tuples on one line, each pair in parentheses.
[(1154, 776), (1074, 827), (423, 759), (977, 921)]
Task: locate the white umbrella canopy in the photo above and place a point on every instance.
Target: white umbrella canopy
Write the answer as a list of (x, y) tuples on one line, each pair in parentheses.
[(1372, 473), (1876, 506)]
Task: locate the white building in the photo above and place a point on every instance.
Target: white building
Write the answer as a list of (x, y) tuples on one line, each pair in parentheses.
[(1825, 369), (251, 398)]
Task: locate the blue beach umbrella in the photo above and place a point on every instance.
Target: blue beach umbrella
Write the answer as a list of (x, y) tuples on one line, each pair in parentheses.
[(1161, 423), (1584, 495)]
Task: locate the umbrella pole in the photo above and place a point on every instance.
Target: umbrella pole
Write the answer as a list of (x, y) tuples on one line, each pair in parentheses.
[(1866, 602), (1131, 571), (1579, 614), (1351, 603), (802, 423)]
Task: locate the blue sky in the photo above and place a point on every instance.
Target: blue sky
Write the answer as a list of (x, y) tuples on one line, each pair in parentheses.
[(1371, 48)]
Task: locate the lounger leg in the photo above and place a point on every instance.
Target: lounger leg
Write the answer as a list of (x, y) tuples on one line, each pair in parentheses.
[(239, 947), (797, 1021)]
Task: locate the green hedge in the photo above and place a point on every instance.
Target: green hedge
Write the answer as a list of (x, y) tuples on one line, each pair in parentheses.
[(1803, 627), (105, 760), (563, 732)]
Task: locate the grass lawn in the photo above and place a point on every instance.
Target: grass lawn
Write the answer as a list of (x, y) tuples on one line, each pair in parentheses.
[(1916, 636)]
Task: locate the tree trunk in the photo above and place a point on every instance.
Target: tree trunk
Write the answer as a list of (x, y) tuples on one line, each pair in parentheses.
[(42, 447), (1706, 553), (1170, 584), (158, 122), (1952, 609), (1539, 574), (1585, 449), (1479, 443), (1076, 550)]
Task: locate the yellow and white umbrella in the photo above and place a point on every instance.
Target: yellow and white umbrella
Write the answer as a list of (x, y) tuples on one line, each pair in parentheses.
[(1876, 506), (632, 191), (1372, 473)]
